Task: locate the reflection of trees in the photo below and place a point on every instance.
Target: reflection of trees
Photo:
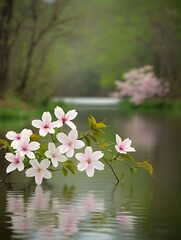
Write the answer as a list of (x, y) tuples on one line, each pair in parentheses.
[(143, 131)]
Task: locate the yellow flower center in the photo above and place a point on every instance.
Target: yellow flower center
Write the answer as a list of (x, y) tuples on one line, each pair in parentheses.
[(89, 161), (39, 169)]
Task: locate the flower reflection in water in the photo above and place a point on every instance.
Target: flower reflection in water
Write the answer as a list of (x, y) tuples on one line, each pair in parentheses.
[(126, 220), (41, 215), (15, 203), (68, 222), (90, 204), (45, 216)]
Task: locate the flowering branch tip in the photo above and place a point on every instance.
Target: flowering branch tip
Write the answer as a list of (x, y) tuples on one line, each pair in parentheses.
[(30, 152)]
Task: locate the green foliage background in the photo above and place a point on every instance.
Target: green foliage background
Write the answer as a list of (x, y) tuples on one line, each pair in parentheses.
[(93, 44)]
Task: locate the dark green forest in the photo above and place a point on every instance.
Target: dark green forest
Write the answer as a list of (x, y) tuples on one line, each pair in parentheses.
[(80, 47)]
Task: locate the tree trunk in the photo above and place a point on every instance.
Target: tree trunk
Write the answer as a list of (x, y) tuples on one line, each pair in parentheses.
[(5, 48)]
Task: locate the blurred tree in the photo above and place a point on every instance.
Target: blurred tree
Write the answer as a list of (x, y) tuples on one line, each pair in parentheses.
[(165, 22), (116, 36), (45, 49), (6, 10), (27, 31)]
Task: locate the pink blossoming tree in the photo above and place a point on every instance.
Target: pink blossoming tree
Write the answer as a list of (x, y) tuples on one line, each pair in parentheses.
[(139, 85)]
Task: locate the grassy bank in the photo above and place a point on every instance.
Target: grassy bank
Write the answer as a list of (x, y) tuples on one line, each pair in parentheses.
[(17, 109), (170, 106), (13, 109)]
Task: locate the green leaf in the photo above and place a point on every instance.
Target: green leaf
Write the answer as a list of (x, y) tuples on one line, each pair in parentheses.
[(64, 171), (98, 135), (43, 148), (133, 169), (93, 124), (92, 121), (4, 142), (104, 145), (35, 137), (81, 135), (70, 166), (27, 163), (126, 157), (100, 125), (146, 165), (87, 141), (93, 138)]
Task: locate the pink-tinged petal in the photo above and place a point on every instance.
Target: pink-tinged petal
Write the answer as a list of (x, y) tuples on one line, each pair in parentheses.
[(54, 162), (118, 149), (46, 174), (51, 147), (82, 165), (118, 139), (30, 154), (48, 154), (88, 152), (11, 135), (38, 178), (43, 132), (98, 165), (70, 153), (90, 170), (126, 142), (51, 130), (130, 149), (45, 164), (73, 134), (58, 124), (78, 144), (15, 144), (61, 158), (37, 123), (22, 153), (62, 137), (54, 124), (26, 132), (46, 117), (30, 172), (34, 146), (63, 148), (12, 166), (71, 114), (20, 166), (34, 163), (59, 112), (20, 157), (97, 155), (71, 124), (25, 140), (10, 157), (80, 156)]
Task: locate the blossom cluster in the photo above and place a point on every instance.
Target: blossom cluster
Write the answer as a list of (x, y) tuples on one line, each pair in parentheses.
[(139, 85), (34, 154)]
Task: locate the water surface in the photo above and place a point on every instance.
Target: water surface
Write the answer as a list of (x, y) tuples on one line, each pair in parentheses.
[(78, 207)]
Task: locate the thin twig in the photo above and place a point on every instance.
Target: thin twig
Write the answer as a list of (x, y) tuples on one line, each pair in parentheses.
[(7, 174), (52, 138), (113, 172), (85, 135)]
